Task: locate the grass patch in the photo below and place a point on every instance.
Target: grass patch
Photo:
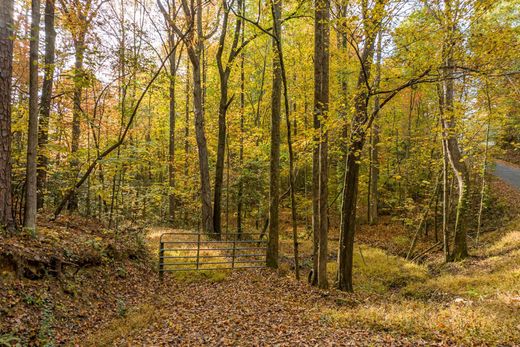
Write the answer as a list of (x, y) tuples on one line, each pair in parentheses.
[(472, 286), (507, 243), (137, 319), (213, 276), (477, 302), (497, 274), (457, 323), (375, 271)]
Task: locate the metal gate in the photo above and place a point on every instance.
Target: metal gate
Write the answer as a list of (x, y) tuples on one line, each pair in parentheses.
[(192, 251)]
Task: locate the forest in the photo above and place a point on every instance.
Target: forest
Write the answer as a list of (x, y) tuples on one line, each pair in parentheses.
[(358, 159)]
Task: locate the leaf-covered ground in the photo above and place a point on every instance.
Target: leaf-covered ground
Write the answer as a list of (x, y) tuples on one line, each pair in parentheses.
[(248, 308)]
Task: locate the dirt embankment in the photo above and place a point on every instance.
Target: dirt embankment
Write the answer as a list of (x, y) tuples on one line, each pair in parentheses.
[(69, 278)]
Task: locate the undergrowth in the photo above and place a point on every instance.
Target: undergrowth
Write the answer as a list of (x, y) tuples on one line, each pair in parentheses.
[(473, 303)]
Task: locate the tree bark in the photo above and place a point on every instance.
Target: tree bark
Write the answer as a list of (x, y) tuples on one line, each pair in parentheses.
[(484, 165), (186, 132), (374, 142), (6, 70), (171, 147), (348, 215), (194, 40), (79, 47), (207, 216), (274, 181), (458, 163), (29, 221), (221, 146), (45, 103), (224, 70), (357, 140), (241, 144), (321, 105)]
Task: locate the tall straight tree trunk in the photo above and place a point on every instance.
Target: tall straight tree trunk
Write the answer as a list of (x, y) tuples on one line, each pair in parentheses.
[(205, 188), (186, 132), (45, 104), (484, 165), (6, 70), (445, 230), (292, 179), (194, 40), (348, 217), (374, 142), (274, 180), (221, 146), (79, 47), (171, 147), (224, 71), (321, 105), (241, 144), (29, 221)]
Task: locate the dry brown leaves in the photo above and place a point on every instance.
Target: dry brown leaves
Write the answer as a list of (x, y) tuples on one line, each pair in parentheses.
[(249, 308)]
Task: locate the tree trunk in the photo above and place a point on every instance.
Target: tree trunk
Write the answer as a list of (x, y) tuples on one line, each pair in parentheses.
[(484, 166), (187, 133), (348, 216), (315, 201), (221, 147), (374, 142), (45, 105), (321, 104), (79, 47), (241, 149), (458, 164), (29, 221), (205, 188), (171, 147), (351, 181), (274, 181), (6, 70)]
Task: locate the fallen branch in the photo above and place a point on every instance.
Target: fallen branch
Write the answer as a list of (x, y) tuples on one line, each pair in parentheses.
[(426, 251)]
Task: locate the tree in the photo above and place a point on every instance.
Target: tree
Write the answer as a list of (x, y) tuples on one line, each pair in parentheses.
[(29, 221), (361, 123), (320, 162), (224, 71), (371, 22), (78, 20), (6, 69), (274, 179), (194, 41), (46, 99), (174, 65), (448, 122), (373, 189)]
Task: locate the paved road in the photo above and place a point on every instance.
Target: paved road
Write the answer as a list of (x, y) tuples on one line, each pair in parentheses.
[(508, 174)]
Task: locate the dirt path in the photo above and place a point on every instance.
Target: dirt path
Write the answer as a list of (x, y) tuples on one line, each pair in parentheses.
[(250, 308)]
